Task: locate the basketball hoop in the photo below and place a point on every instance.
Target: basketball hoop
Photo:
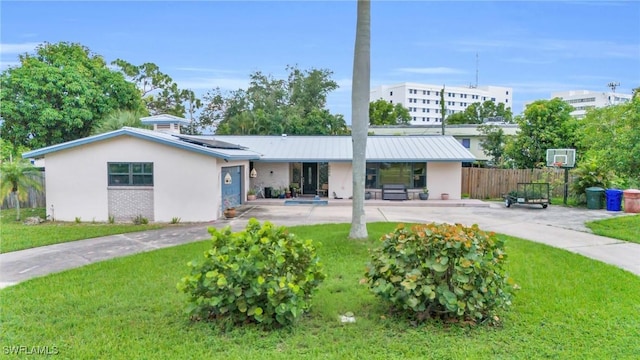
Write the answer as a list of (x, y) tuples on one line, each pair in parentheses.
[(558, 164)]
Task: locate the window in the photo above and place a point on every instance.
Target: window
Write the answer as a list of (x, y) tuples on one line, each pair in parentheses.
[(412, 175), (424, 92), (424, 101), (390, 93), (437, 93), (423, 119), (429, 92), (466, 143), (130, 174), (507, 92), (507, 101), (428, 101), (424, 110)]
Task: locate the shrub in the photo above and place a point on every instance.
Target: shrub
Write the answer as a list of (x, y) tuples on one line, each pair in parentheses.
[(175, 220), (262, 274), (441, 270), (589, 173), (140, 220)]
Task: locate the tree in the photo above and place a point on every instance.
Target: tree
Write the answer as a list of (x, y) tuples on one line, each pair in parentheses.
[(295, 105), (17, 175), (612, 135), (359, 116), (8, 151), (545, 124), (382, 112), (493, 143), (159, 92), (119, 119), (59, 94), (477, 113)]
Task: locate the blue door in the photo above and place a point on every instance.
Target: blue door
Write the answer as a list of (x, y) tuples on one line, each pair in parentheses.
[(231, 186)]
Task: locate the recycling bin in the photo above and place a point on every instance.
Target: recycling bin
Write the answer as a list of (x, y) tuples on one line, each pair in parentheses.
[(614, 199), (594, 197)]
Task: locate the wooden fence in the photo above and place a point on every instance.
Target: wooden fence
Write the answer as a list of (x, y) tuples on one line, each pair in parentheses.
[(34, 199), (481, 183)]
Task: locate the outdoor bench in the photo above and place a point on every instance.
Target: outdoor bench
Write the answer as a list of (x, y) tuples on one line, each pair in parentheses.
[(394, 192)]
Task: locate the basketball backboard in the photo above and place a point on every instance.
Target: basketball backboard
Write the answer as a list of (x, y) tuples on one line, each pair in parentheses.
[(564, 158)]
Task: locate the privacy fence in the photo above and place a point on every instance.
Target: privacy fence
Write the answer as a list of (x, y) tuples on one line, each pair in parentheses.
[(481, 183), (34, 199)]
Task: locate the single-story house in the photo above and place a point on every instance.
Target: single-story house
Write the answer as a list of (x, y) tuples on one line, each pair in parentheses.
[(161, 174)]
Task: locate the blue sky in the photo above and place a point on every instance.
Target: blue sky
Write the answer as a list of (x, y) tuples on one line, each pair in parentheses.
[(535, 47)]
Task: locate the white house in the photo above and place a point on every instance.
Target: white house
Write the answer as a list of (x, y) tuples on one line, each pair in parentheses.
[(163, 174), (423, 100)]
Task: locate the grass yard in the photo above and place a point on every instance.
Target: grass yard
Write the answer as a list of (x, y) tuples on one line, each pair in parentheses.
[(621, 227), (17, 236), (569, 307)]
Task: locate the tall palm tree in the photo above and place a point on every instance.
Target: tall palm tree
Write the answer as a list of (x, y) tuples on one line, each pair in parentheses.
[(16, 177), (360, 116)]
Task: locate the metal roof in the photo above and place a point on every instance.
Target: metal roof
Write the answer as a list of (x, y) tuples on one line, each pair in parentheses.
[(409, 148), (155, 136), (339, 148)]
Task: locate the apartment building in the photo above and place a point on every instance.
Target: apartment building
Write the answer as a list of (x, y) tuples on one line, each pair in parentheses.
[(582, 100), (423, 100)]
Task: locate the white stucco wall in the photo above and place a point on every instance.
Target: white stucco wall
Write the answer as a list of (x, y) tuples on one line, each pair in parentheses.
[(186, 184), (444, 177), (275, 175), (340, 179)]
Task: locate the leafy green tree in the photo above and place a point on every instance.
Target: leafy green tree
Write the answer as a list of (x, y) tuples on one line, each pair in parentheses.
[(477, 112), (16, 177), (8, 151), (382, 112), (119, 119), (60, 93), (161, 95), (493, 143), (612, 134), (360, 116), (270, 106), (545, 124)]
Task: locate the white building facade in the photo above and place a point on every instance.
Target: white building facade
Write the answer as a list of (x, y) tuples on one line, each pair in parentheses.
[(582, 100), (423, 100)]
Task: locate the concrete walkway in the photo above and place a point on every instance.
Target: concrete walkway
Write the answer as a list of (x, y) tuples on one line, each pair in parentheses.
[(555, 226)]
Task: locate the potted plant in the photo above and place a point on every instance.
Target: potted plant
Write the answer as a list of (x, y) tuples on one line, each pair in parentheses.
[(424, 195), (444, 196), (288, 193), (229, 207), (251, 195), (367, 195), (294, 189), (281, 193)]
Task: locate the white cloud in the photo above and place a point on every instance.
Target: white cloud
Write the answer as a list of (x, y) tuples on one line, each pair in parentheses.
[(431, 70), (17, 48)]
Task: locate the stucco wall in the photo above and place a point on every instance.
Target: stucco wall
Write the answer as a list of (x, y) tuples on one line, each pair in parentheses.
[(186, 184), (275, 175), (340, 179), (444, 177)]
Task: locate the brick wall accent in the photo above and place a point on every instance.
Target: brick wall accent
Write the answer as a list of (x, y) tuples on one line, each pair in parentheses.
[(127, 203)]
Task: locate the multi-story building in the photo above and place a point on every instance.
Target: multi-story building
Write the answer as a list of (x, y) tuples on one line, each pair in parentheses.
[(582, 100), (423, 100)]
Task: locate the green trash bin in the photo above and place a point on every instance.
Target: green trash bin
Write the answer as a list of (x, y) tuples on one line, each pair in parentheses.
[(595, 197)]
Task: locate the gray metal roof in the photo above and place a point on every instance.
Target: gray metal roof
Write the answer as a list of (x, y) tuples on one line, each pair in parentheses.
[(339, 148)]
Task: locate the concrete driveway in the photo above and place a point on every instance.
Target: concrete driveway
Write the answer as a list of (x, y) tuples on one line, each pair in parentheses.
[(556, 226)]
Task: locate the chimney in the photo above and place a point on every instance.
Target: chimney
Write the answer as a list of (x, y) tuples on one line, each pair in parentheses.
[(165, 123)]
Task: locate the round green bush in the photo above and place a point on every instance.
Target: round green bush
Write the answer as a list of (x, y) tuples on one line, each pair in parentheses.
[(441, 271), (263, 274)]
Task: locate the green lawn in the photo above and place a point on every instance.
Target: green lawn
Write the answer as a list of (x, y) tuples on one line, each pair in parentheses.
[(17, 236), (569, 307), (620, 227)]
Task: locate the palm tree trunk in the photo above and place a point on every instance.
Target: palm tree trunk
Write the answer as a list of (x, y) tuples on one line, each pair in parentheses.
[(360, 116), (17, 200)]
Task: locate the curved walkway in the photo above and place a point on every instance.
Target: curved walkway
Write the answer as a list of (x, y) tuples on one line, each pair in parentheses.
[(556, 226)]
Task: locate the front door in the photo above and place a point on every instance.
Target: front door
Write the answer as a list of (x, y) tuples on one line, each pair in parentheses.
[(231, 186), (310, 178)]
